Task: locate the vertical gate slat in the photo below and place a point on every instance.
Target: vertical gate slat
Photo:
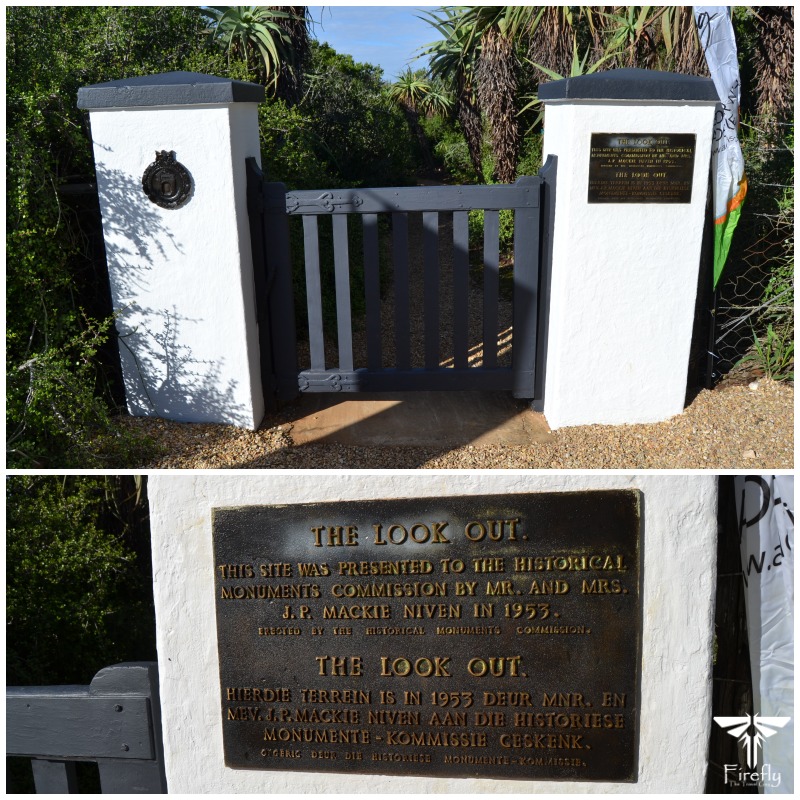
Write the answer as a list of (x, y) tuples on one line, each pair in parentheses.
[(547, 176), (402, 329), (314, 293), (491, 285), (430, 229), (341, 261), (372, 291), (257, 219), (277, 323), (526, 300), (54, 777), (460, 289), (282, 320)]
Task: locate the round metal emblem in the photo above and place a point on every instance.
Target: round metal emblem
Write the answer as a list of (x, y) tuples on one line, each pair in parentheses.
[(166, 181)]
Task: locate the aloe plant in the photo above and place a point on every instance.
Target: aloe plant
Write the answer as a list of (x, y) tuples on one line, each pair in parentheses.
[(774, 353), (578, 67), (254, 32)]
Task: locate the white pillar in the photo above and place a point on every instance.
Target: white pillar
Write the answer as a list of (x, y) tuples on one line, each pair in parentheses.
[(678, 520), (624, 274), (181, 278)]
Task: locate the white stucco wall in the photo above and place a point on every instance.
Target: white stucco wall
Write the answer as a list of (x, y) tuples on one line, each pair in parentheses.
[(679, 543), (624, 278), (181, 279)]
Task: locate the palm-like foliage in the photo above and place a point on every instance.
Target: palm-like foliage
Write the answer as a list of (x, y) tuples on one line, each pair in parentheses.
[(479, 57), (631, 34), (257, 35), (496, 28), (578, 66), (681, 42), (497, 91), (552, 44), (655, 37), (453, 63), (774, 62), (409, 89), (415, 94), (290, 80)]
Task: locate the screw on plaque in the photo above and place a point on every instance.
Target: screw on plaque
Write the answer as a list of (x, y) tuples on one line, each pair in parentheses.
[(166, 182)]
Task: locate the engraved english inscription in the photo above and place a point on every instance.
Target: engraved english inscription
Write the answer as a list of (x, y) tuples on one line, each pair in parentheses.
[(641, 167), (493, 636)]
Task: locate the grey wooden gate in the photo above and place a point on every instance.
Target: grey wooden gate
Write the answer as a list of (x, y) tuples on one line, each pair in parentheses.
[(115, 722), (270, 207)]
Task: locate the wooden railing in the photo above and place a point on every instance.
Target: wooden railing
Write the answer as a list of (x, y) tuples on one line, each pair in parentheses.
[(115, 722)]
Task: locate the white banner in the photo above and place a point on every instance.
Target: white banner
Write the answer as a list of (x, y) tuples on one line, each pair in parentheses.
[(765, 508), (715, 31)]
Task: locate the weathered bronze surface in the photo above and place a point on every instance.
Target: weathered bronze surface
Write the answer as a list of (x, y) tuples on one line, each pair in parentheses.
[(166, 182), (483, 636), (641, 167)]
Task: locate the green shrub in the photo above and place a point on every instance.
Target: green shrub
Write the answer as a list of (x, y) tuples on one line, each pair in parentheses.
[(530, 161), (359, 133), (757, 285), (58, 335), (476, 220), (452, 150), (781, 283), (774, 352), (289, 148), (344, 133), (78, 595), (78, 587), (60, 409)]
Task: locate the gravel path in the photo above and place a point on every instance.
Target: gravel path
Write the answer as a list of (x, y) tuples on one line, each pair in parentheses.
[(732, 427)]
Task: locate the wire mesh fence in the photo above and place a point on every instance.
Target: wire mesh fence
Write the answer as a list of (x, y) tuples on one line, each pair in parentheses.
[(755, 299)]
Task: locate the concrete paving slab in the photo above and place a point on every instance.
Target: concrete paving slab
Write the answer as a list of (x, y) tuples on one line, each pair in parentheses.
[(418, 419)]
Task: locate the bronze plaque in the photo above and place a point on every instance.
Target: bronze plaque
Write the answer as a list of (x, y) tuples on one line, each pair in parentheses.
[(641, 167), (482, 636)]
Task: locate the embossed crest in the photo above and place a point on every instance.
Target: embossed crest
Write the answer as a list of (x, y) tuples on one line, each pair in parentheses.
[(166, 181)]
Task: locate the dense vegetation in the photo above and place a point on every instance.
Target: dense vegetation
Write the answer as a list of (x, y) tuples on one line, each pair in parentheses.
[(488, 61), (329, 121), (62, 380), (58, 365), (78, 594), (758, 289)]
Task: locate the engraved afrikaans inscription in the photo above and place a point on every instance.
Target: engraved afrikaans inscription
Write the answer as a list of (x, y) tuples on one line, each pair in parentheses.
[(641, 167), (494, 636)]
